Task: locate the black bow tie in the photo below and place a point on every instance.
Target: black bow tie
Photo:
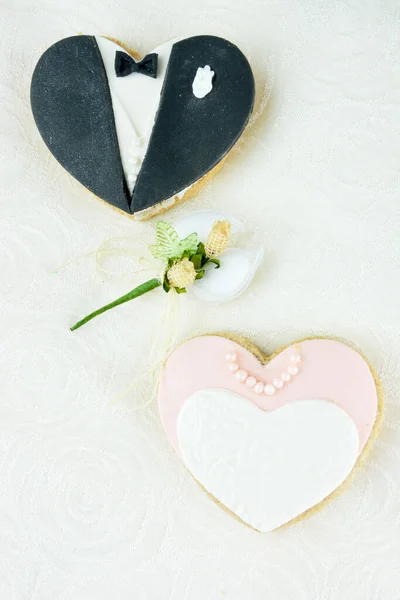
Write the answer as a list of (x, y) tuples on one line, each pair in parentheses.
[(125, 65)]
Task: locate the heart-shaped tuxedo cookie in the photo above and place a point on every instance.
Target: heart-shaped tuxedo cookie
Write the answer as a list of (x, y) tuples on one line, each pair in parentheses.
[(269, 438), (141, 134)]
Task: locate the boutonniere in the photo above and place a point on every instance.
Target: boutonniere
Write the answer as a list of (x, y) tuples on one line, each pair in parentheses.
[(188, 261)]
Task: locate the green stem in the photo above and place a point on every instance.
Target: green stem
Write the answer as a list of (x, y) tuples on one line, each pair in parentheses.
[(135, 293)]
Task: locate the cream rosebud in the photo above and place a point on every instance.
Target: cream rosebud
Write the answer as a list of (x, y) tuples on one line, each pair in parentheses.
[(181, 274), (218, 239)]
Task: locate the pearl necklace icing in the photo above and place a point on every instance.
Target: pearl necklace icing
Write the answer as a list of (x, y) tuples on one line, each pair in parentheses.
[(269, 388)]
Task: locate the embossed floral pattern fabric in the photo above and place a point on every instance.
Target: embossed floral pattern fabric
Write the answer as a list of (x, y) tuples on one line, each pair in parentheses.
[(93, 501)]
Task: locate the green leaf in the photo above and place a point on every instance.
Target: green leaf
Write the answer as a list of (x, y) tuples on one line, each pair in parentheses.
[(200, 274), (167, 242), (180, 290), (168, 245), (166, 286), (215, 261), (200, 248), (202, 252), (196, 260), (189, 244)]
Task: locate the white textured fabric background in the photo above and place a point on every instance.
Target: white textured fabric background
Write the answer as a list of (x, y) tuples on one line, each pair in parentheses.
[(93, 501)]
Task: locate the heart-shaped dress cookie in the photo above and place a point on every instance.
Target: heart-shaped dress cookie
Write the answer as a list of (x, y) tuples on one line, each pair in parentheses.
[(270, 439), (141, 134)]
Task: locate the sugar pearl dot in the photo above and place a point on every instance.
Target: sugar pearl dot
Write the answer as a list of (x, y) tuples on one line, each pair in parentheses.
[(278, 383), (231, 356), (241, 375), (293, 370), (285, 377), (296, 358), (251, 381), (259, 387), (233, 367), (269, 389)]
